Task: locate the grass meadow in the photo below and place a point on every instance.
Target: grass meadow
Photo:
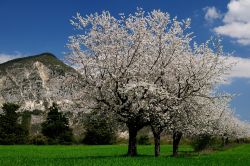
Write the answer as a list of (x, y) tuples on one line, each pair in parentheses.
[(22, 155)]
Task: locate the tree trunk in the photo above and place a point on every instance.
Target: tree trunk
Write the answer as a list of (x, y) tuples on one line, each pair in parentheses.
[(132, 149), (176, 140), (222, 141), (157, 139), (226, 141)]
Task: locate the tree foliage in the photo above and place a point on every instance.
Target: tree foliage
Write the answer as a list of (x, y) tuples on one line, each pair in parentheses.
[(100, 129), (38, 139), (11, 132), (56, 127)]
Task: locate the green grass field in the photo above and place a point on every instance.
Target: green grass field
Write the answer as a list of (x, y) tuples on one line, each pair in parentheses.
[(114, 155)]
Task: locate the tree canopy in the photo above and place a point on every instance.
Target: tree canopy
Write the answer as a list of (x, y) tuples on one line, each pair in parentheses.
[(146, 69)]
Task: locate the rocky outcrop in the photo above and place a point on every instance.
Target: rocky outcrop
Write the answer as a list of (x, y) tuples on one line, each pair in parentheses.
[(37, 81)]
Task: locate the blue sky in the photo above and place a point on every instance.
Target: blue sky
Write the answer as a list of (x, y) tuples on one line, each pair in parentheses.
[(30, 27)]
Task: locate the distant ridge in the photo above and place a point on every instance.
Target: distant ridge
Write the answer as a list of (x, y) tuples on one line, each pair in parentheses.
[(45, 58)]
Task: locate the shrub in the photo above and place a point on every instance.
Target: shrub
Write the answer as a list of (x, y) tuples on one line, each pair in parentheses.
[(39, 140), (100, 129), (201, 142), (143, 140)]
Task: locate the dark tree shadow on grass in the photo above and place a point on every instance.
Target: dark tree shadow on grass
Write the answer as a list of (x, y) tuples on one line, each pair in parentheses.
[(182, 154)]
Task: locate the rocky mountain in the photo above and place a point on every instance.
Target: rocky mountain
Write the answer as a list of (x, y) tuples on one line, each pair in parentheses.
[(35, 82)]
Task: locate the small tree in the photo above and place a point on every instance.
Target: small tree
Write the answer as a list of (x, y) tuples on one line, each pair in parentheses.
[(100, 129), (56, 127), (11, 132)]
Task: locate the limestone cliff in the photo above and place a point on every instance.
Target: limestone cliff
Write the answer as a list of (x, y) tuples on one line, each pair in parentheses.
[(35, 82)]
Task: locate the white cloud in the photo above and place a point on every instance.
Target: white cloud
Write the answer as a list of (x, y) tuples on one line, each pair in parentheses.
[(6, 57), (236, 22), (241, 69), (211, 14)]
